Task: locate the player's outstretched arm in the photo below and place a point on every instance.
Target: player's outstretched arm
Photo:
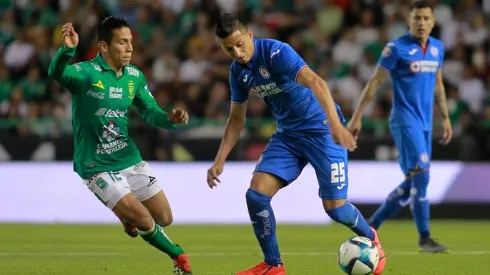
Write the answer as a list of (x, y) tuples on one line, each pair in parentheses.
[(387, 62), (149, 110), (67, 75), (310, 79), (286, 61), (441, 102), (379, 75), (234, 127)]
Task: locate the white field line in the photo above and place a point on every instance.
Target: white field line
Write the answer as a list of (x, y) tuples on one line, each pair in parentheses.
[(212, 254)]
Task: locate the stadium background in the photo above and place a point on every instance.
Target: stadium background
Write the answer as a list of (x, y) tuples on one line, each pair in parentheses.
[(175, 48)]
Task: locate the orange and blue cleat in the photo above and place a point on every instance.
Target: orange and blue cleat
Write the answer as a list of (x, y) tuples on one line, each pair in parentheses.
[(264, 269), (382, 257)]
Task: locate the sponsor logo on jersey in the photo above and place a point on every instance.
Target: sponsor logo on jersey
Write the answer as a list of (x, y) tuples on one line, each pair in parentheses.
[(132, 71), (99, 85), (110, 139), (424, 66), (276, 52), (77, 66), (98, 95), (97, 67), (148, 90), (110, 113), (266, 90), (115, 92), (131, 89)]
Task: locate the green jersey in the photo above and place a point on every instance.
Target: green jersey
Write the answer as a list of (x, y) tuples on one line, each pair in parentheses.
[(100, 104)]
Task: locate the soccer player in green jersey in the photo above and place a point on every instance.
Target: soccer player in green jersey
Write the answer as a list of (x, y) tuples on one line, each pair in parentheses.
[(106, 158)]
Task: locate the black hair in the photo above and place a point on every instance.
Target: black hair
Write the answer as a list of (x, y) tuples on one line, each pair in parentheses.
[(106, 26), (421, 4), (227, 24)]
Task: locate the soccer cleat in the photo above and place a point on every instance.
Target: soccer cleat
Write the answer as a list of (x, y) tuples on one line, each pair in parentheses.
[(182, 265), (264, 269), (382, 257), (129, 228), (432, 246)]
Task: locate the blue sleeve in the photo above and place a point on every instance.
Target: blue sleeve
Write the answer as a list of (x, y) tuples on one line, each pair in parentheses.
[(238, 93), (389, 57), (286, 61)]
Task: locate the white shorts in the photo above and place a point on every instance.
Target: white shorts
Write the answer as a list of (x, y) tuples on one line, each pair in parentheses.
[(110, 187)]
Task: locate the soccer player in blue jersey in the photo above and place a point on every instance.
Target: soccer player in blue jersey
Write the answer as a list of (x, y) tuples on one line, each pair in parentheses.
[(309, 130), (414, 63)]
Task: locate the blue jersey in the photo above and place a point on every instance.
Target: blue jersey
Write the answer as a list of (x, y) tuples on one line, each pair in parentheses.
[(271, 73), (413, 73)]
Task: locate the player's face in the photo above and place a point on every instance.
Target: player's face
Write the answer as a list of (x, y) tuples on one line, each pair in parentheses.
[(120, 48), (239, 46), (421, 22)]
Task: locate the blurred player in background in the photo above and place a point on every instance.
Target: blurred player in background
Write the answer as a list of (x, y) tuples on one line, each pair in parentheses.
[(309, 124), (106, 158), (414, 63)]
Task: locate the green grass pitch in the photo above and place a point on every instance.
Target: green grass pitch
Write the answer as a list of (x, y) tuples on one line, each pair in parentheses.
[(222, 249)]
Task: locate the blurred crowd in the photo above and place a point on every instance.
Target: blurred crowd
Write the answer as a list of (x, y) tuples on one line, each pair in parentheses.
[(174, 46)]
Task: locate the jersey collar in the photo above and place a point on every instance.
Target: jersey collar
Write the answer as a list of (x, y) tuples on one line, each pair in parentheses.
[(250, 64), (415, 40), (103, 64)]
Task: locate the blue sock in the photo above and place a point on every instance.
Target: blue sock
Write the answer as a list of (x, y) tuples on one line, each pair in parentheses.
[(264, 224), (419, 204), (395, 202), (349, 216)]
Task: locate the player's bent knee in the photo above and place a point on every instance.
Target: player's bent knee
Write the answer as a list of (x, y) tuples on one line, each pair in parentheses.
[(165, 220), (159, 209), (420, 181), (414, 172), (330, 205), (266, 183), (130, 209)]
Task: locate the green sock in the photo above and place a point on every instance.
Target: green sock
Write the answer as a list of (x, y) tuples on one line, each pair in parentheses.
[(160, 241)]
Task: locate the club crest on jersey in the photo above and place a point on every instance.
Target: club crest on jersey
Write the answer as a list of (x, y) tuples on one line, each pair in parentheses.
[(434, 51), (110, 132), (131, 89), (264, 73)]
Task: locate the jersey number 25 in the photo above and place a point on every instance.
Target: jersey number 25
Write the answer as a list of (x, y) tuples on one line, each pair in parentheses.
[(338, 172)]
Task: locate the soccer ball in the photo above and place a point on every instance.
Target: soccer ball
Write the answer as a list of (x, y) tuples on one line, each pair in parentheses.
[(358, 256)]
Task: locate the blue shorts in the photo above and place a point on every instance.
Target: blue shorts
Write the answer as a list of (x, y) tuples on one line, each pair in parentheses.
[(414, 147), (285, 157)]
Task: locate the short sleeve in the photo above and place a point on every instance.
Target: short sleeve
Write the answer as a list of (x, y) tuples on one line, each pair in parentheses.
[(239, 94), (286, 61), (389, 57), (441, 50)]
